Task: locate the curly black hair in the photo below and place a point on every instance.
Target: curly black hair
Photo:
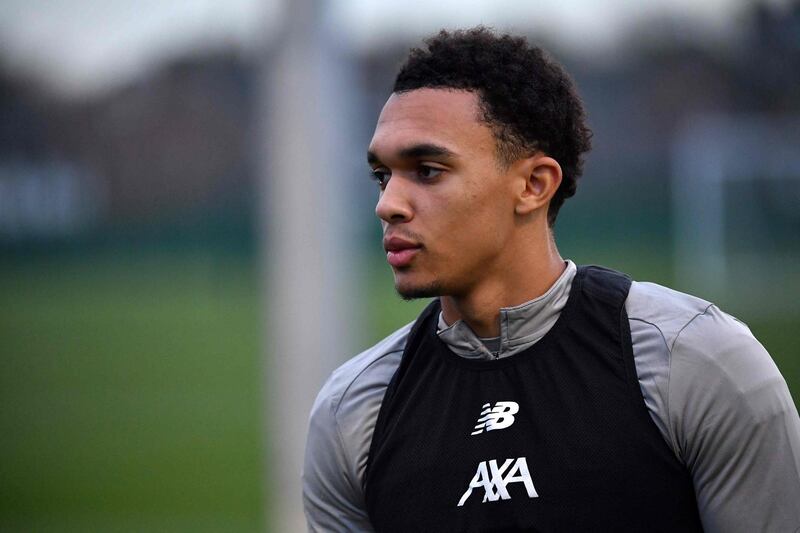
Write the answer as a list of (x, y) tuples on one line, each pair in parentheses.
[(526, 97)]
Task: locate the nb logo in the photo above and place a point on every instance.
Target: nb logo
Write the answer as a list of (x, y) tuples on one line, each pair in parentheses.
[(498, 417), (493, 479)]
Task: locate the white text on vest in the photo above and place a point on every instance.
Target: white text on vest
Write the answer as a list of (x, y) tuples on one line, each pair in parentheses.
[(490, 478)]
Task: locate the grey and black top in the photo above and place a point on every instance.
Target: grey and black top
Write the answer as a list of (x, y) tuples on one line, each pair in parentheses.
[(713, 392)]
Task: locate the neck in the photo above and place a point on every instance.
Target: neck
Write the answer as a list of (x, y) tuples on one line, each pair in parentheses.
[(519, 281)]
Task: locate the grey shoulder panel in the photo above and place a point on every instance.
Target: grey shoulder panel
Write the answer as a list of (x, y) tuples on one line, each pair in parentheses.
[(723, 407), (339, 436), (663, 308), (657, 315)]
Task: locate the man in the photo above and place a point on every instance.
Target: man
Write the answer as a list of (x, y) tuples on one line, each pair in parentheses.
[(532, 394)]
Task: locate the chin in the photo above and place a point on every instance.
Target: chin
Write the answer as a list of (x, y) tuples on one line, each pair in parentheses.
[(409, 290)]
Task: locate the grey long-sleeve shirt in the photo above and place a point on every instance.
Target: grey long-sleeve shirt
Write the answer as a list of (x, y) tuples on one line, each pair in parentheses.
[(711, 389)]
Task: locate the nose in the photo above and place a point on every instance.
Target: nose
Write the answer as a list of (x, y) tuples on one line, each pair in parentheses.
[(393, 205)]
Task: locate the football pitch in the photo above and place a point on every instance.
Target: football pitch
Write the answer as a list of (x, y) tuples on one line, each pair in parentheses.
[(131, 390), (130, 394)]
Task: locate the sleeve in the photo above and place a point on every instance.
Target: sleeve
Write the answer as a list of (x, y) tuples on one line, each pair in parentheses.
[(332, 498), (736, 427)]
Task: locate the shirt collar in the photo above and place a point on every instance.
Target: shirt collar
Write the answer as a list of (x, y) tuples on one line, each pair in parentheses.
[(521, 326)]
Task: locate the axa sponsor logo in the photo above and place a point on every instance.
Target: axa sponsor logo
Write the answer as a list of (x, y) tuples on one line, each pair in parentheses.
[(494, 479), (498, 417)]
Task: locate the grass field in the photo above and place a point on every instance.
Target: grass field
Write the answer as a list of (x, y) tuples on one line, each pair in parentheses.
[(130, 389), (130, 395)]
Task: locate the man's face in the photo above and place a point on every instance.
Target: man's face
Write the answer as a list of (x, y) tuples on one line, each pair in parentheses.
[(446, 205)]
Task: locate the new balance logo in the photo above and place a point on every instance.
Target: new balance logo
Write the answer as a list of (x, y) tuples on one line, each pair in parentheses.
[(493, 479), (498, 417)]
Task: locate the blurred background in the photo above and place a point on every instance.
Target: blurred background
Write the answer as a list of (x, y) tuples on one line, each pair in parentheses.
[(187, 237)]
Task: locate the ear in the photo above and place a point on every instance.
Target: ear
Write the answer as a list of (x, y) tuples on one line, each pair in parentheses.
[(539, 179)]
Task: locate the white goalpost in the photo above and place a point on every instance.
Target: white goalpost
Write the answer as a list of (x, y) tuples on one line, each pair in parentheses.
[(710, 155), (305, 150)]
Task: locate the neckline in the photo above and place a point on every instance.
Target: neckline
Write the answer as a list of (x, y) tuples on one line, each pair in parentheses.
[(521, 325), (489, 364)]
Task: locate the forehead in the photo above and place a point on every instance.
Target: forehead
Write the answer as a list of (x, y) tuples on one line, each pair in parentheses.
[(444, 117)]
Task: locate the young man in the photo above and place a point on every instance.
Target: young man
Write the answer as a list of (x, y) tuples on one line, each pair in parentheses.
[(533, 394)]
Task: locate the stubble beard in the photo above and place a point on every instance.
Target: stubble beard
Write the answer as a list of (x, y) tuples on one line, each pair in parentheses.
[(416, 292)]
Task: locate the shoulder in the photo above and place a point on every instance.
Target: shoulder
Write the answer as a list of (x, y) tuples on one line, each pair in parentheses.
[(351, 397), (702, 367), (694, 363), (657, 315), (696, 339), (339, 436), (718, 370), (697, 332), (725, 409), (371, 368), (663, 309)]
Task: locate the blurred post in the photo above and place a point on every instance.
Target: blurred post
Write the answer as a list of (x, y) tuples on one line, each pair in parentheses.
[(711, 153), (698, 207), (306, 89)]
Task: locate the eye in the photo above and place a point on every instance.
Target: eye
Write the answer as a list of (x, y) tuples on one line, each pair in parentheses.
[(428, 173), (381, 176)]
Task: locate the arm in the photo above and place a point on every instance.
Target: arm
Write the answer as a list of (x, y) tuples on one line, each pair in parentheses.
[(332, 499), (339, 436), (735, 426)]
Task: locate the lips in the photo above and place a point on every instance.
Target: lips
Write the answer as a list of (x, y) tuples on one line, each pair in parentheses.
[(400, 252)]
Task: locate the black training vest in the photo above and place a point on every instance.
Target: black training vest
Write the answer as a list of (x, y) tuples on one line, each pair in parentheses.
[(555, 438)]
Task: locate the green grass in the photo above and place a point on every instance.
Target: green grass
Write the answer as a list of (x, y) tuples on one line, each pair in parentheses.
[(130, 394), (779, 337)]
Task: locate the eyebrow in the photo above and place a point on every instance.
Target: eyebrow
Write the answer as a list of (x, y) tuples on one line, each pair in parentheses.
[(416, 151)]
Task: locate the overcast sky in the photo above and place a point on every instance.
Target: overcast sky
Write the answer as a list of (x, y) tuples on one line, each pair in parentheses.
[(83, 45)]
